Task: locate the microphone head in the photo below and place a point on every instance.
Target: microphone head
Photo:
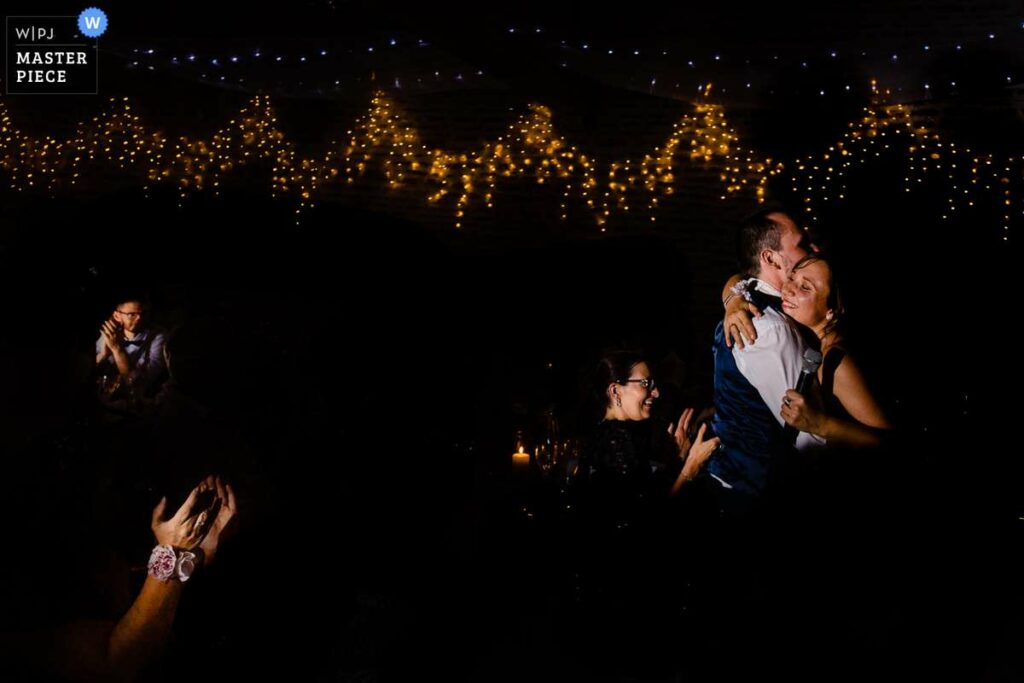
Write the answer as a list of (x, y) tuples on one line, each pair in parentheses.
[(812, 359)]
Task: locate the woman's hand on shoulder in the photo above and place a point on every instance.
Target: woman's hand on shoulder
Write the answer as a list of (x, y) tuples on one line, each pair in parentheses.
[(738, 325)]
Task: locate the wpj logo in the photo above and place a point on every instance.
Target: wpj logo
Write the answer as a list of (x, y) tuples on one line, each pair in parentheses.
[(54, 55), (33, 33)]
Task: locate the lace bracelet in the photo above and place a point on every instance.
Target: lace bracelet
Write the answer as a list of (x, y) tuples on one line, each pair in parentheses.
[(741, 288)]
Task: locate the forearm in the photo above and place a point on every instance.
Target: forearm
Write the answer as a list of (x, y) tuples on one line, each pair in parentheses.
[(91, 650), (850, 433), (142, 631), (124, 367), (730, 283), (686, 475)]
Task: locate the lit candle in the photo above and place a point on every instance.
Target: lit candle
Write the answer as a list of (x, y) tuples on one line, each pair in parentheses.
[(521, 458)]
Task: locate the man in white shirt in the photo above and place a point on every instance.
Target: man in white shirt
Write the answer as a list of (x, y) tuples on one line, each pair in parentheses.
[(751, 380)]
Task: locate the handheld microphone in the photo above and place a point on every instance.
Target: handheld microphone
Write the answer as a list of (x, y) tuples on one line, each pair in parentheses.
[(812, 359)]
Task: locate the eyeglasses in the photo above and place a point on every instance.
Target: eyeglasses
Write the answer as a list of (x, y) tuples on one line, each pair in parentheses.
[(131, 314), (647, 382)]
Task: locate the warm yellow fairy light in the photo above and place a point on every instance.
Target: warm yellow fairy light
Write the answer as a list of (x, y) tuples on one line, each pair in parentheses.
[(927, 153), (384, 142)]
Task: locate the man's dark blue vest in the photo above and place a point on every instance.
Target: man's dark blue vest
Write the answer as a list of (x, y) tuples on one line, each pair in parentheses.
[(751, 436)]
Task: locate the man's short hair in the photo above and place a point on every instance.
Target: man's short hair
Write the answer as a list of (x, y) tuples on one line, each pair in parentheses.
[(127, 296), (759, 232)]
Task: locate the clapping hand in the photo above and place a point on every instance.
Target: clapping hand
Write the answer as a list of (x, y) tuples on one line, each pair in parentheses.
[(680, 432), (701, 450), (694, 452), (189, 524), (222, 515), (111, 332)]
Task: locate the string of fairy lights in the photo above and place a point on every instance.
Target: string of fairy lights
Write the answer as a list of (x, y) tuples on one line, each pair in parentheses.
[(385, 145), (665, 69), (886, 127), (324, 71)]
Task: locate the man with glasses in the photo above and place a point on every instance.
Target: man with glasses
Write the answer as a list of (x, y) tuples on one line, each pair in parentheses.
[(132, 350)]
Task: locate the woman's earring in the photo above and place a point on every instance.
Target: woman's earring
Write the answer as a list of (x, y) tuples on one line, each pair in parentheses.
[(618, 402), (828, 316)]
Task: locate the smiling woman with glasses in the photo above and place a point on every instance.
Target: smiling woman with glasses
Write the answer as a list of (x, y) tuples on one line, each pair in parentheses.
[(627, 473), (627, 390), (631, 390)]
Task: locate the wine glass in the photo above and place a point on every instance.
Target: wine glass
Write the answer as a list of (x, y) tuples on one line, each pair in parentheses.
[(571, 457), (107, 383), (546, 455)]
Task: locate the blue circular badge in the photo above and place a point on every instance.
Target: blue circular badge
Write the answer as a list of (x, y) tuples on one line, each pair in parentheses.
[(92, 22)]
